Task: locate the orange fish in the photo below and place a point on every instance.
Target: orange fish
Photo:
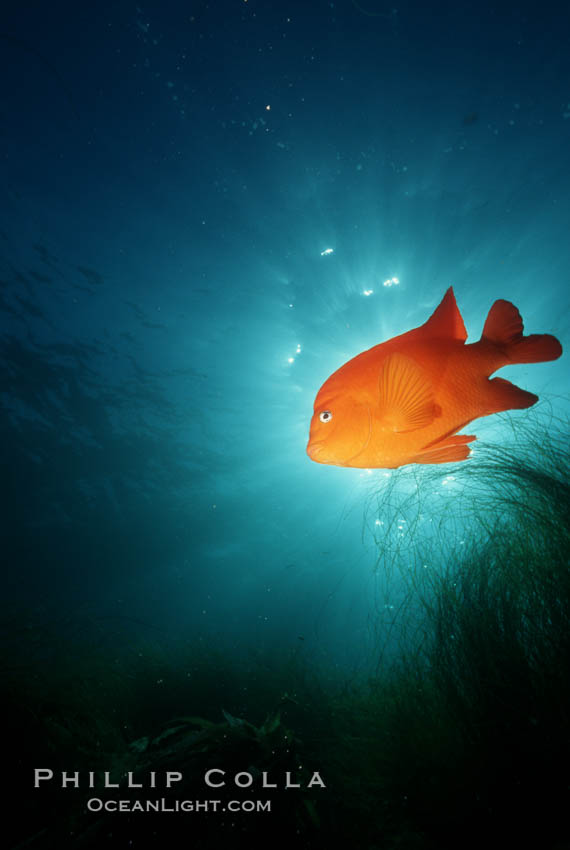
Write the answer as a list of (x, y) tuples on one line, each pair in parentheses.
[(404, 401)]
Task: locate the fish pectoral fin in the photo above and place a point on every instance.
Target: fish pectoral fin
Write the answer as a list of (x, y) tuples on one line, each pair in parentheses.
[(405, 394), (446, 451)]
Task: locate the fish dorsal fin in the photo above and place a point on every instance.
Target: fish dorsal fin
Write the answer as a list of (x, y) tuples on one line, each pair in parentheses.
[(504, 324), (446, 321), (406, 394)]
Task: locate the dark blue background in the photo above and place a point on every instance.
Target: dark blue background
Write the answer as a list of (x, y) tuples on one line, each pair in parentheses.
[(162, 235)]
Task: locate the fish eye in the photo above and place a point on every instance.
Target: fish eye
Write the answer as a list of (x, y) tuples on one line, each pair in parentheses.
[(325, 416)]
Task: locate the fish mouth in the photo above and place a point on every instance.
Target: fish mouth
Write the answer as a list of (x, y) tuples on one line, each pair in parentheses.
[(318, 453), (316, 449)]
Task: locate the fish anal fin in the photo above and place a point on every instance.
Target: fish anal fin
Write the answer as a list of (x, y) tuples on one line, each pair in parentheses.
[(406, 397), (446, 322), (448, 455), (503, 395), (449, 450)]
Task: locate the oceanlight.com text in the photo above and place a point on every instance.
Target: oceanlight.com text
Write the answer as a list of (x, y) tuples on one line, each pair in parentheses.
[(96, 804)]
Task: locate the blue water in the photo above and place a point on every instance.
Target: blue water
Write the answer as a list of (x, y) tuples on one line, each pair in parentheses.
[(172, 177)]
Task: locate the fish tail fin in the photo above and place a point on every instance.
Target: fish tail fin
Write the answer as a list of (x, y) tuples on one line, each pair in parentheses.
[(504, 328)]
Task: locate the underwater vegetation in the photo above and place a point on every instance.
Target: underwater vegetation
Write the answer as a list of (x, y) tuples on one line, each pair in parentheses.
[(468, 725), (456, 735)]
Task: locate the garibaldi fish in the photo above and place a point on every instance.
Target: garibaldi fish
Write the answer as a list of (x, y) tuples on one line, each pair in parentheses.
[(404, 400)]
